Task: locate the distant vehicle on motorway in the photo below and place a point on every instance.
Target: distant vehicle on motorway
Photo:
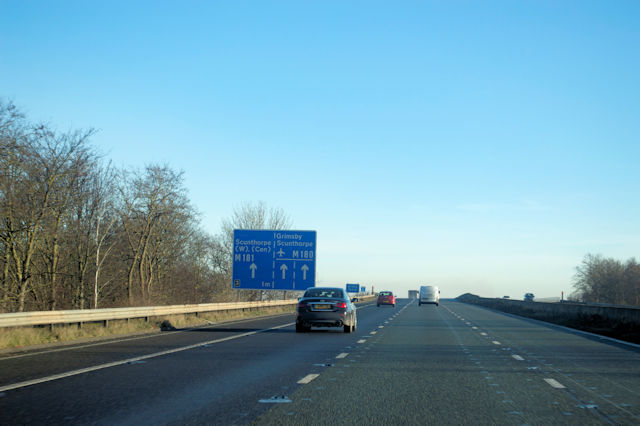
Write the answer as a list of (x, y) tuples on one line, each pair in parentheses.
[(386, 298), (528, 297), (326, 307), (429, 294)]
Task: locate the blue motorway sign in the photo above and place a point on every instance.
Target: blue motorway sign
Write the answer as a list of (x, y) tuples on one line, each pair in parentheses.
[(353, 288), (274, 260), (363, 289)]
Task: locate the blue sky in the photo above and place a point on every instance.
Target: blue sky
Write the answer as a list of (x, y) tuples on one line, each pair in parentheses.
[(482, 146)]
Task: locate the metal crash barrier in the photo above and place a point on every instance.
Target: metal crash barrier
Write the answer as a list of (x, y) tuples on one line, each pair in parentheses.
[(26, 319)]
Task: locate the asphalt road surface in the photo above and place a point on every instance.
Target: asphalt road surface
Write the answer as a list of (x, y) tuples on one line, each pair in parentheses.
[(452, 364)]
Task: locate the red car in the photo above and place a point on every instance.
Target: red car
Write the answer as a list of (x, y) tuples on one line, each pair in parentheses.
[(386, 298)]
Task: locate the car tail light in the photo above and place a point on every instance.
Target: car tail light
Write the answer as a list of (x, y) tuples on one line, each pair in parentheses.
[(302, 305), (342, 305)]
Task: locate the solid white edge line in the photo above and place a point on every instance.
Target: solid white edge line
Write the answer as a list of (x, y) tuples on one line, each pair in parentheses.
[(555, 384), (569, 329), (69, 346), (306, 379), (129, 360)]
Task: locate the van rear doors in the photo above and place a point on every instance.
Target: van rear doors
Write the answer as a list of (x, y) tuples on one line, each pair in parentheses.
[(429, 294)]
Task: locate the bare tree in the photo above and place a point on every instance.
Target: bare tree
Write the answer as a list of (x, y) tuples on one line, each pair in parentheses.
[(13, 152), (38, 163), (91, 228), (251, 216), (246, 216), (631, 282), (606, 280), (76, 233), (100, 236), (153, 205), (73, 160)]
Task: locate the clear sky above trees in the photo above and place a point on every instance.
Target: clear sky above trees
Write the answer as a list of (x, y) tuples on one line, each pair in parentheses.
[(484, 147)]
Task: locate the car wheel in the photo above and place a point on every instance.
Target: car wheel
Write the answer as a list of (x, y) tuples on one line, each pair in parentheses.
[(348, 328), (378, 305), (300, 328)]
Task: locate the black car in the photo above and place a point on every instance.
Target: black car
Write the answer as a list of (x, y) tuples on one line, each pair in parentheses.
[(326, 307)]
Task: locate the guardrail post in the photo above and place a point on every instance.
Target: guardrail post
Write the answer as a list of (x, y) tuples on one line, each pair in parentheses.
[(80, 325), (106, 323)]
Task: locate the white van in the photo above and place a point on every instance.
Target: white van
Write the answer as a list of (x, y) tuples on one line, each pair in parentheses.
[(429, 294)]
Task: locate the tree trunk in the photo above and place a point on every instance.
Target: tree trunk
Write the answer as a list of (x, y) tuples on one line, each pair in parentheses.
[(53, 267), (6, 285)]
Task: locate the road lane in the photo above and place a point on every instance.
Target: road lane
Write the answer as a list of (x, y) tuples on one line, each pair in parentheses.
[(214, 383), (596, 373), (455, 365), (41, 363)]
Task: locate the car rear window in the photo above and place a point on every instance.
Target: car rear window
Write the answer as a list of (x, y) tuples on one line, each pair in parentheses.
[(386, 293), (324, 293)]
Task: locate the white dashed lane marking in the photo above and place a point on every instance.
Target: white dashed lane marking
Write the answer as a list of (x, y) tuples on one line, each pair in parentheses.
[(342, 355), (554, 383), (518, 357), (308, 378)]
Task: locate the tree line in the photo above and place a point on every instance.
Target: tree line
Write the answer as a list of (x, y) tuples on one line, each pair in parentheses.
[(607, 280), (77, 232)]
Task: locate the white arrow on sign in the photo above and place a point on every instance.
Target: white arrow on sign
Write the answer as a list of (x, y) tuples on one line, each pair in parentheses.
[(304, 270), (283, 268), (253, 268)]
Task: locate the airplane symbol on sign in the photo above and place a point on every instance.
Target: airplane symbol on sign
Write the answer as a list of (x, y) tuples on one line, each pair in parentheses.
[(280, 253)]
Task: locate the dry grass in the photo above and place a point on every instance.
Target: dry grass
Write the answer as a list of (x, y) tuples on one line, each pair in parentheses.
[(20, 337)]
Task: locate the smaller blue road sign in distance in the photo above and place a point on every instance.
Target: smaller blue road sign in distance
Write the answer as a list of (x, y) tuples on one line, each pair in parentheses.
[(273, 259), (363, 289), (353, 288)]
